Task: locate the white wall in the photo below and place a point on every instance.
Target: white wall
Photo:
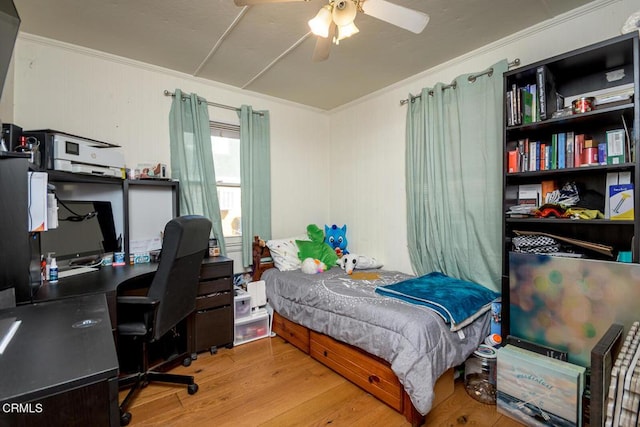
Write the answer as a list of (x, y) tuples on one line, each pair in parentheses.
[(367, 189), (107, 98), (346, 166)]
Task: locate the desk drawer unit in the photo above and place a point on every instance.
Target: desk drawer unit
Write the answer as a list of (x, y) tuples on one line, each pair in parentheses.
[(212, 322)]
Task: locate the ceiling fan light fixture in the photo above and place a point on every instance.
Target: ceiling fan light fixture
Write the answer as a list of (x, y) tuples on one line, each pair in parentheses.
[(345, 31), (344, 12), (320, 24)]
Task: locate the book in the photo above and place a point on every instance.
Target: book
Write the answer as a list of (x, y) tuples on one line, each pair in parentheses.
[(577, 150), (538, 390), (533, 155), (527, 105), (554, 151), (621, 202), (513, 161), (547, 95), (562, 150), (603, 355), (615, 147), (570, 147)]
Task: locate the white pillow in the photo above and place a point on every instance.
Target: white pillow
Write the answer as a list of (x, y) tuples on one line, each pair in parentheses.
[(285, 253)]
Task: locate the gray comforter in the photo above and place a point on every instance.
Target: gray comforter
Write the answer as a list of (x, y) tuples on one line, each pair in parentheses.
[(414, 340)]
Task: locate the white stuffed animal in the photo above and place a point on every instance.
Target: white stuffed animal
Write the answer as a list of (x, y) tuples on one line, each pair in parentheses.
[(313, 266), (350, 262)]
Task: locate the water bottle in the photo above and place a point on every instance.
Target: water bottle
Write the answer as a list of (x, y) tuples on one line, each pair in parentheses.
[(53, 271)]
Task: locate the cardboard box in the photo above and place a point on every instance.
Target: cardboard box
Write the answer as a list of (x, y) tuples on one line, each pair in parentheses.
[(621, 202)]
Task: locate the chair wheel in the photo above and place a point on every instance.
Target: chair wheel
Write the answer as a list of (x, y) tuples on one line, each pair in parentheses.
[(192, 388), (125, 418), (213, 349), (186, 361)]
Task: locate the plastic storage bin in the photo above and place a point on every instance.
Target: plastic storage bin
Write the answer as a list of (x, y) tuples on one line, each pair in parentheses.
[(251, 328), (241, 304)]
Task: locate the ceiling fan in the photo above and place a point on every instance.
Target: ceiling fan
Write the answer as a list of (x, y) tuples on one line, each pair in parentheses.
[(334, 21)]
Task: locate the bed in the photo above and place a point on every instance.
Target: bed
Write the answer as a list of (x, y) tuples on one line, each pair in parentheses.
[(402, 353)]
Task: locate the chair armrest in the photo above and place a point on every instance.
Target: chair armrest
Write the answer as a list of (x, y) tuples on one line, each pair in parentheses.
[(137, 300)]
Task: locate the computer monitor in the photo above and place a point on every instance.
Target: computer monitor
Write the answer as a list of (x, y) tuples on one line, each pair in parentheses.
[(85, 229)]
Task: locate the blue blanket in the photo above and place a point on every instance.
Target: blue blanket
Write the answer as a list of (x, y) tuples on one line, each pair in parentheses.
[(458, 302)]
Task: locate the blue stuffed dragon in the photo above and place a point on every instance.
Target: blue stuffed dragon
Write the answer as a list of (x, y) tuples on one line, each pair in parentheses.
[(336, 237)]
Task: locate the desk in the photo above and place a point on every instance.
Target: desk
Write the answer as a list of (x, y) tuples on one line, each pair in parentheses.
[(71, 372), (104, 281)]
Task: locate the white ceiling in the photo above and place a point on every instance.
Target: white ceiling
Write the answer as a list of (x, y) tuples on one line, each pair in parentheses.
[(267, 49)]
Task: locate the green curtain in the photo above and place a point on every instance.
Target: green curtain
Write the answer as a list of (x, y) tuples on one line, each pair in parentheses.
[(454, 178), (255, 178), (192, 160)]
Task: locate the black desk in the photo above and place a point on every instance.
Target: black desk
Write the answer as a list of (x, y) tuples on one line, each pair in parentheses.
[(69, 374), (104, 281)]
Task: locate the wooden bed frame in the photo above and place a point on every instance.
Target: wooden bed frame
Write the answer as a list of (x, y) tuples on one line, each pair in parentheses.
[(367, 371)]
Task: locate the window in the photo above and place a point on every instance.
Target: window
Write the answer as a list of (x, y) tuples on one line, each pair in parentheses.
[(225, 147)]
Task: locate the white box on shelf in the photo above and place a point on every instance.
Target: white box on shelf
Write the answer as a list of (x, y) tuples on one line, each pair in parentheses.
[(251, 328), (37, 198)]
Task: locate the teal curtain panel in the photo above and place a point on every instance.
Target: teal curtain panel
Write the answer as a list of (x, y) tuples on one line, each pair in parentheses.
[(454, 178), (192, 160)]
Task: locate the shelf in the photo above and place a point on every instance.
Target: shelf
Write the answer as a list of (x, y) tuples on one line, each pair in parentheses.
[(568, 221), (62, 176), (612, 114), (572, 171)]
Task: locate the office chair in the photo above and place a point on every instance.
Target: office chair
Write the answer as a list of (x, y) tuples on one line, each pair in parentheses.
[(170, 299)]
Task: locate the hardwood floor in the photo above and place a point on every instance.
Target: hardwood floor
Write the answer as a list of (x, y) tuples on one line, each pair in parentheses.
[(271, 383)]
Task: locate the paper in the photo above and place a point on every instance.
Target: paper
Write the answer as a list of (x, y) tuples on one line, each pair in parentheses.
[(9, 333), (145, 245)]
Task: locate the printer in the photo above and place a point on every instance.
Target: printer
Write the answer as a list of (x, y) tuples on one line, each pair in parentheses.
[(71, 153)]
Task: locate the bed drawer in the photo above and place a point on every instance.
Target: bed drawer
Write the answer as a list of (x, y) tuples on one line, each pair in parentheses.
[(291, 332), (372, 374)]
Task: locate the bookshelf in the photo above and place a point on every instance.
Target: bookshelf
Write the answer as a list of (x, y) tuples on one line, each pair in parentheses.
[(605, 76)]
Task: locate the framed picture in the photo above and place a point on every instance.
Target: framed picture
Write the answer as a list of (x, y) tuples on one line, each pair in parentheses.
[(603, 355)]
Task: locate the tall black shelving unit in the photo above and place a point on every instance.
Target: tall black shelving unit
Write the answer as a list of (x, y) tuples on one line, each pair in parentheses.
[(581, 71)]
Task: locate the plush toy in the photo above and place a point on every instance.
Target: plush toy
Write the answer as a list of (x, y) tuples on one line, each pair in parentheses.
[(352, 262), (336, 238), (313, 266), (316, 248)]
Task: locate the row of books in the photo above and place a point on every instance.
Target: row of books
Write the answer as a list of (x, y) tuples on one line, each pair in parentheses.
[(533, 102), (567, 150)]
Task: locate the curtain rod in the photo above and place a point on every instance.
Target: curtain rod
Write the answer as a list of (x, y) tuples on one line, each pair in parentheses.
[(472, 78), (212, 104)]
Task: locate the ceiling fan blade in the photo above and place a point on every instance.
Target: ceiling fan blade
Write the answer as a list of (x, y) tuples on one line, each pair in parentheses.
[(253, 2), (401, 16), (323, 45)]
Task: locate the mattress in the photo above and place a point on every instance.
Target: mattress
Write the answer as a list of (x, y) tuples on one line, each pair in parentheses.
[(416, 341)]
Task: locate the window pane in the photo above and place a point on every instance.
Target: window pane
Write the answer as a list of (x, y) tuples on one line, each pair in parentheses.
[(226, 159), (229, 198), (225, 148)]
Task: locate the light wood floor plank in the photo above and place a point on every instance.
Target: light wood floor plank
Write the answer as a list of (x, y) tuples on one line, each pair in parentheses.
[(270, 383)]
